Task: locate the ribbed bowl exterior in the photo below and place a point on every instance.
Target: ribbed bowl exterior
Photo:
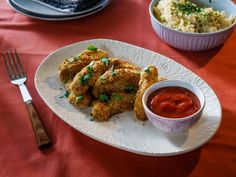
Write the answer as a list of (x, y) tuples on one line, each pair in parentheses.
[(189, 41)]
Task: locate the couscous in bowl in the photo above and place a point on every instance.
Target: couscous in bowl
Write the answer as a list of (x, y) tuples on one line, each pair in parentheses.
[(193, 41)]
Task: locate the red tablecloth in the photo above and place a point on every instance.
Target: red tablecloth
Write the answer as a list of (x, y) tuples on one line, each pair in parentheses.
[(74, 154)]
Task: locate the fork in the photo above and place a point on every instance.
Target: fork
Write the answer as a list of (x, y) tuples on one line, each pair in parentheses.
[(17, 77)]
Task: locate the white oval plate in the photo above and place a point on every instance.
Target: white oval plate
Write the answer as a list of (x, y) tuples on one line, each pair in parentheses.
[(123, 131)]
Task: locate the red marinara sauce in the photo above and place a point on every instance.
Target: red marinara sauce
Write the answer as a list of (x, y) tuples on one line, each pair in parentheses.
[(173, 102)]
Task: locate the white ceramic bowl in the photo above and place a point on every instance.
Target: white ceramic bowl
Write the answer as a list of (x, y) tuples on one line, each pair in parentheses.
[(173, 125), (195, 41)]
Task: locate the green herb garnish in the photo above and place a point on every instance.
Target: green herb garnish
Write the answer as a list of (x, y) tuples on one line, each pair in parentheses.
[(114, 73), (67, 94), (130, 89), (102, 79), (79, 98), (76, 57), (147, 70), (117, 97), (188, 7), (92, 47), (103, 97), (90, 69), (71, 60), (105, 61), (85, 78)]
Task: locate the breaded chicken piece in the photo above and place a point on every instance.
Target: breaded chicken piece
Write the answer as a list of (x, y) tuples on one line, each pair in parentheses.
[(81, 101), (119, 102), (89, 75), (160, 78), (121, 64), (101, 111), (71, 66), (118, 80), (148, 77)]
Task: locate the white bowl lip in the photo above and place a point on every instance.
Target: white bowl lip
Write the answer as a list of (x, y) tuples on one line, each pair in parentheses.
[(189, 33), (174, 83)]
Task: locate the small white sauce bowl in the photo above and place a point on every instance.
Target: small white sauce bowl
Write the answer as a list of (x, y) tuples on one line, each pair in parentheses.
[(173, 125), (195, 41)]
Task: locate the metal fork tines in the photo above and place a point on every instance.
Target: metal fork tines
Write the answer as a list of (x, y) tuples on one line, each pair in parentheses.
[(16, 73), (17, 76)]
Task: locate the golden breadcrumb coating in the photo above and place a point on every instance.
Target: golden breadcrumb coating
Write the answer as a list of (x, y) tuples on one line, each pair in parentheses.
[(148, 77), (119, 102), (118, 80), (87, 77), (122, 64), (71, 66), (81, 101)]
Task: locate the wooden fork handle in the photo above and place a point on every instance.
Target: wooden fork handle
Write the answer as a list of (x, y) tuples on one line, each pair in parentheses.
[(43, 140)]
